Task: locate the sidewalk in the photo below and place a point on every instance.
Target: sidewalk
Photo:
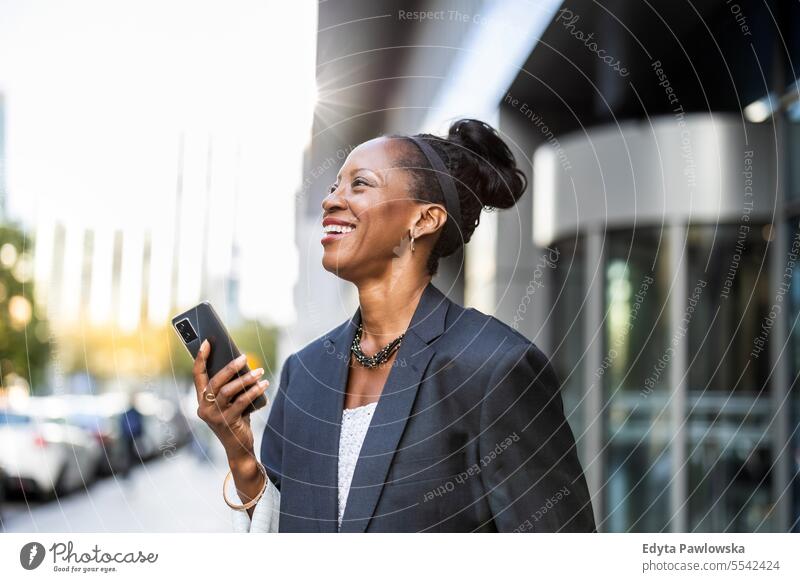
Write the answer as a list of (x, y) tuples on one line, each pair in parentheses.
[(173, 494)]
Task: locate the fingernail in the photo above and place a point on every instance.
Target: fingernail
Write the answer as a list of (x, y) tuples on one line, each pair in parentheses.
[(257, 372), (241, 358), (263, 383)]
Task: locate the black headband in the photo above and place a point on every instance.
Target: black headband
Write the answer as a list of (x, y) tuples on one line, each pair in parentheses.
[(451, 235)]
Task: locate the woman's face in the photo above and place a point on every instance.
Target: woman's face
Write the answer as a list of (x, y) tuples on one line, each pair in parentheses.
[(371, 203)]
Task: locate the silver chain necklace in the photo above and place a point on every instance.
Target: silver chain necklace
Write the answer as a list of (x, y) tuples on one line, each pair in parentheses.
[(380, 357)]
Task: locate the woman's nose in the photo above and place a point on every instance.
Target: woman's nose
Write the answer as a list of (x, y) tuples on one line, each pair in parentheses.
[(332, 200)]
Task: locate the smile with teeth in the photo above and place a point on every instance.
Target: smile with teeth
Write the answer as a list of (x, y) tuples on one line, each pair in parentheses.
[(337, 229)]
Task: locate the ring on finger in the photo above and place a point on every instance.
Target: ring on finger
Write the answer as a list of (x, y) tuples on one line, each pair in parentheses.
[(209, 396)]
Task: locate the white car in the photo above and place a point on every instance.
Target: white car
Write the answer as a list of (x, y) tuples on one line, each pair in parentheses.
[(164, 428), (45, 455)]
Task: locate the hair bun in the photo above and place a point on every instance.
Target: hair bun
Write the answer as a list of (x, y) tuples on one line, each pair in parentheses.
[(491, 172)]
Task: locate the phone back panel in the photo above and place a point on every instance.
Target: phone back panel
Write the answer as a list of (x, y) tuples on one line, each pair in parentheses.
[(208, 325), (204, 323)]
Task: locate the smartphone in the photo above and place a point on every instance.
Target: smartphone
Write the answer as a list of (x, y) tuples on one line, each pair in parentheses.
[(201, 322)]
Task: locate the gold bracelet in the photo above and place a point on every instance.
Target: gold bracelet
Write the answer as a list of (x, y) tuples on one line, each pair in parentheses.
[(252, 502)]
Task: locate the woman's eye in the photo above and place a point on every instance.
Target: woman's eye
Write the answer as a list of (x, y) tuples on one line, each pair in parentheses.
[(332, 188), (360, 182)]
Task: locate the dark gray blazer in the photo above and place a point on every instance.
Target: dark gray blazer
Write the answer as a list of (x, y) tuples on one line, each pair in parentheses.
[(469, 434)]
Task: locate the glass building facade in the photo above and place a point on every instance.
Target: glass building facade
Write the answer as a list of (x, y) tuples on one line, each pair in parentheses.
[(696, 367), (674, 309), (726, 459), (791, 276)]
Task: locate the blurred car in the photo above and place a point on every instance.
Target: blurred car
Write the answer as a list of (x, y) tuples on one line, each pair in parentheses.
[(165, 428), (45, 456), (104, 429), (3, 479), (90, 413), (100, 416)]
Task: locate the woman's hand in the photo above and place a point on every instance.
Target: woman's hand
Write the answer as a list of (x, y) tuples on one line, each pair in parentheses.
[(221, 409)]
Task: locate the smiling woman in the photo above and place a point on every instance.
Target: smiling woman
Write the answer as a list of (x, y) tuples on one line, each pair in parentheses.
[(468, 432), (401, 183)]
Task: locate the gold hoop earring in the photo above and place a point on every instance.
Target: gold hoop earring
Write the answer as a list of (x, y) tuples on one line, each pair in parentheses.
[(412, 242)]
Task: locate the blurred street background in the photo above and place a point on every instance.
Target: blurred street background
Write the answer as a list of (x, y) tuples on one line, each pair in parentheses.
[(153, 155)]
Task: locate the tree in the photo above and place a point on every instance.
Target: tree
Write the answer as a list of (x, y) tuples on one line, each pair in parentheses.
[(24, 335)]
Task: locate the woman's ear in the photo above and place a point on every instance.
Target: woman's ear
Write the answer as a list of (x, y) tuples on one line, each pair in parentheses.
[(431, 218)]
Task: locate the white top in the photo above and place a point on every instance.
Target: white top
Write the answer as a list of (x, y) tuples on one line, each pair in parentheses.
[(355, 422)]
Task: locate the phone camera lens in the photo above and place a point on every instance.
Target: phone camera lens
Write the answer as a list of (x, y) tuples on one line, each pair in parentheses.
[(185, 329)]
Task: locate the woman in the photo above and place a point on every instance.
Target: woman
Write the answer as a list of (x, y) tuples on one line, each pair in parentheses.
[(416, 414)]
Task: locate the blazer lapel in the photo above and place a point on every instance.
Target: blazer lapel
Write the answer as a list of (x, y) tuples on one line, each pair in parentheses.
[(391, 413), (331, 373)]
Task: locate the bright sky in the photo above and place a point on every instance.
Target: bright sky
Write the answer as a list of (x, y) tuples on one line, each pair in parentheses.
[(98, 93)]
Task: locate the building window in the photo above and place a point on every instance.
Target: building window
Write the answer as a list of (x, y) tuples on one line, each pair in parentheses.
[(729, 410), (634, 379), (793, 396)]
